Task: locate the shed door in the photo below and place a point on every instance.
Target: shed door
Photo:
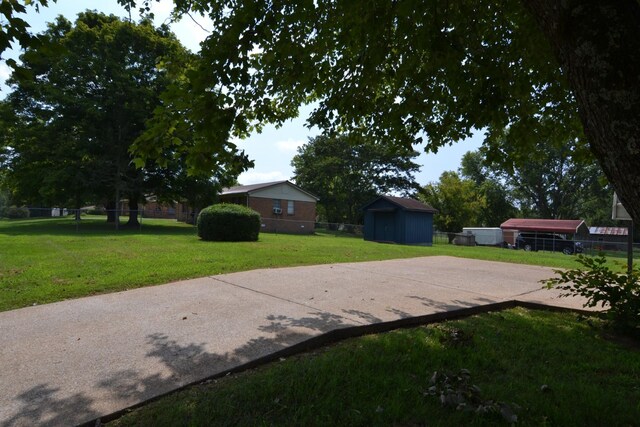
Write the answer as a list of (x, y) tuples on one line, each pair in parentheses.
[(384, 227)]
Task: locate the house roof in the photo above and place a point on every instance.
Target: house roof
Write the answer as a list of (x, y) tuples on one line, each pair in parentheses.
[(244, 189), (609, 231), (405, 203), (249, 189), (548, 225)]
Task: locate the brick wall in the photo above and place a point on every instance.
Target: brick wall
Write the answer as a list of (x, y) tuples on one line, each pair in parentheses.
[(301, 222), (159, 210)]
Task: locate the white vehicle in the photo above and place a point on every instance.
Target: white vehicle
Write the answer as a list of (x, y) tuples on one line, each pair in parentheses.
[(485, 236)]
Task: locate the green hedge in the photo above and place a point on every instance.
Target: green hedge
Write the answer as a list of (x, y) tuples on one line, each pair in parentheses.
[(15, 212), (228, 222)]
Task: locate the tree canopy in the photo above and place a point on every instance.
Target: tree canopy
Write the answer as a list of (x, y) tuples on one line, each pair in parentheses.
[(555, 183), (498, 201), (75, 113), (428, 73), (458, 201), (485, 194), (14, 28), (347, 171)]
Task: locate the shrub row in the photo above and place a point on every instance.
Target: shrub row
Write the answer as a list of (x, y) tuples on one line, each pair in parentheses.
[(14, 212)]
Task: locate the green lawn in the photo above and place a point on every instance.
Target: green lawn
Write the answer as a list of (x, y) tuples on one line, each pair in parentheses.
[(47, 260), (554, 369)]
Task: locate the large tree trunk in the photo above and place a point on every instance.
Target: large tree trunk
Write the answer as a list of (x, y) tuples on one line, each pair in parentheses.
[(597, 43), (111, 211), (133, 211)]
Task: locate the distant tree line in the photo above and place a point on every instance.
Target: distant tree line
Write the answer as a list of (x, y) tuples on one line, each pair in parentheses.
[(347, 171), (553, 184)]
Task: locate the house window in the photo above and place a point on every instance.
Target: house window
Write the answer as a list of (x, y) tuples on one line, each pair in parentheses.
[(277, 208), (290, 207)]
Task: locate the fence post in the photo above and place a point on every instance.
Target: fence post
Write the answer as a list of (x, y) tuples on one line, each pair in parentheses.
[(630, 248)]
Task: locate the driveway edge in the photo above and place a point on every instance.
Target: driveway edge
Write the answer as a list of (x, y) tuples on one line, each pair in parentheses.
[(337, 335)]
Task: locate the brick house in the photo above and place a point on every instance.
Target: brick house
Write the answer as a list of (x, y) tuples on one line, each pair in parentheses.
[(156, 209), (152, 208), (180, 211), (284, 207)]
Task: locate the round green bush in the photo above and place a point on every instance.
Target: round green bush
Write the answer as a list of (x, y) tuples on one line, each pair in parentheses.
[(228, 223), (15, 212)]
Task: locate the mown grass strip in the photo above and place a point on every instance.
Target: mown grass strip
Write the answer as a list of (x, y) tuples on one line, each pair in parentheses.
[(556, 368)]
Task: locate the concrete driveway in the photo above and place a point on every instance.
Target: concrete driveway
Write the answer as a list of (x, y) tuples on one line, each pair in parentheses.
[(74, 361)]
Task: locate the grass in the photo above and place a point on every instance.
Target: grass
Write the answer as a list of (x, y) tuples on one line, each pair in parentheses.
[(557, 369), (48, 260)]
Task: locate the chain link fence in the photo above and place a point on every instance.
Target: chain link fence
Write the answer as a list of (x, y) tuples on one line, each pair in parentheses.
[(143, 217)]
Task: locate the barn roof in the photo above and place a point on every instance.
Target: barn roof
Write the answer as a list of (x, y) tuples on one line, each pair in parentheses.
[(546, 225), (609, 231), (405, 203)]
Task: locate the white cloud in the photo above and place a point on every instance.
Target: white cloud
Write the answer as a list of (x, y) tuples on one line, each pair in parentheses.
[(5, 71), (254, 177), (290, 145)]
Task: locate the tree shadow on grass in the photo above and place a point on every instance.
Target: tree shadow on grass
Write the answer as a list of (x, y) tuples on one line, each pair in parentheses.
[(97, 226)]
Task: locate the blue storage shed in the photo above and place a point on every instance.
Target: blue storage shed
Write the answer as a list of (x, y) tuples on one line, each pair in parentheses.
[(398, 220)]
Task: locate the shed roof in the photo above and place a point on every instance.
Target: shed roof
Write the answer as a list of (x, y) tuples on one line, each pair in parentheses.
[(548, 225), (405, 203), (249, 189), (609, 231)]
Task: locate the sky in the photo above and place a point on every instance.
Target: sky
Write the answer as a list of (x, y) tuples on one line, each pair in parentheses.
[(272, 149)]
